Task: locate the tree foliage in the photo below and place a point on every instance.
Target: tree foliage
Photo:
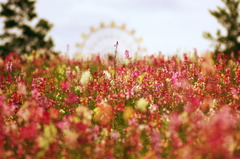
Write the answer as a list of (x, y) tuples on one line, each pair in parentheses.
[(229, 18), (22, 30)]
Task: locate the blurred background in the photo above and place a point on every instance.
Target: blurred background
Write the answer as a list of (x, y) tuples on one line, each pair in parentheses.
[(169, 26)]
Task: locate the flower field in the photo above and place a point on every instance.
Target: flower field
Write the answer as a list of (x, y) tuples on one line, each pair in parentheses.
[(153, 107)]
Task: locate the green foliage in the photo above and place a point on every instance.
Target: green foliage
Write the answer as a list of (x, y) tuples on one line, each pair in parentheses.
[(229, 18), (19, 35)]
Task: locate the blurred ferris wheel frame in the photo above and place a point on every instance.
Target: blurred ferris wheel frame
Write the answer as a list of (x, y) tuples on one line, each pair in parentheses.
[(101, 40)]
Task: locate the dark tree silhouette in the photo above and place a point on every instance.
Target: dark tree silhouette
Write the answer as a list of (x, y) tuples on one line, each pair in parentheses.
[(19, 34), (229, 18)]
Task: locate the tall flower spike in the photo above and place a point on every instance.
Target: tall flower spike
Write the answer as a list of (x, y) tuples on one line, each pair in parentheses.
[(116, 45), (115, 58)]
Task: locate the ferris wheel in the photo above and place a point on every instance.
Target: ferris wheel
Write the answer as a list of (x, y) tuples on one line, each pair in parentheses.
[(101, 40)]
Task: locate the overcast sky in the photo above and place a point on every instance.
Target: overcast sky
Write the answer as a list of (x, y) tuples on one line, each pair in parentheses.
[(164, 25)]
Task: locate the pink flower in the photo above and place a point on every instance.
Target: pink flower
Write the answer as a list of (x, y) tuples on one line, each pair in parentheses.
[(65, 85), (22, 89), (64, 124), (115, 135), (72, 98), (127, 56), (35, 94), (193, 104), (9, 66), (4, 107)]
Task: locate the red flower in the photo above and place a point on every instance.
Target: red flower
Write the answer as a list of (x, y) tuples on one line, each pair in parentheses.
[(81, 126), (72, 98), (29, 132)]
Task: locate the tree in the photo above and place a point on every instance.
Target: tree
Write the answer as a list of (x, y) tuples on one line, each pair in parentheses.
[(19, 34), (229, 18)]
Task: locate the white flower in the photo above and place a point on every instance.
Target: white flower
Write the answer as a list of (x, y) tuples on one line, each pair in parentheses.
[(142, 104), (153, 108), (107, 74), (85, 77)]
